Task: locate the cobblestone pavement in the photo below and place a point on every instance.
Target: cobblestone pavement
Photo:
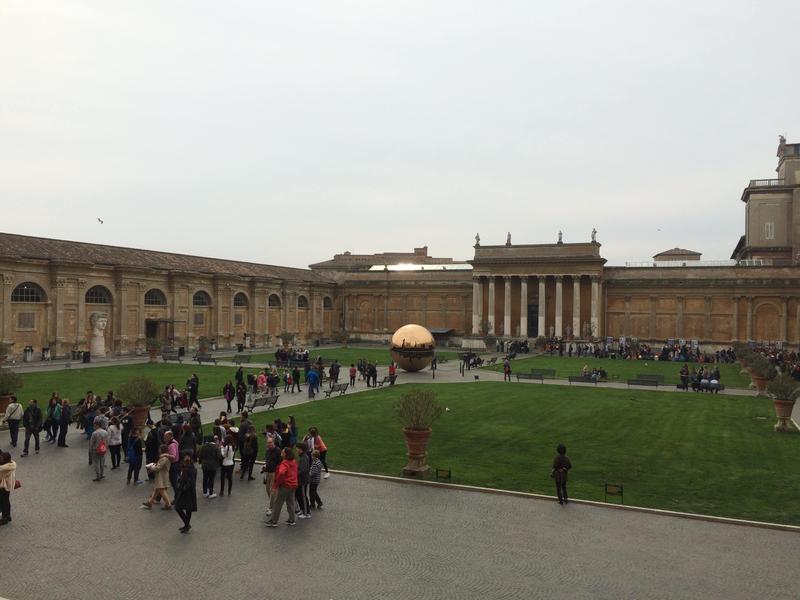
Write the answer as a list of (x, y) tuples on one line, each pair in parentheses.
[(75, 539)]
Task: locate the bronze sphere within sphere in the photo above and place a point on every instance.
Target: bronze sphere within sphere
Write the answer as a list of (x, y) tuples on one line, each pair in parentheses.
[(412, 347)]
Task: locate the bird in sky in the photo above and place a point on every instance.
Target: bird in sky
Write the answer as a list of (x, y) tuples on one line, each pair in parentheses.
[(99, 220)]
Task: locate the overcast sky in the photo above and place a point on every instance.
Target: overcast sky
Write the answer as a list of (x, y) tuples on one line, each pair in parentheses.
[(285, 132)]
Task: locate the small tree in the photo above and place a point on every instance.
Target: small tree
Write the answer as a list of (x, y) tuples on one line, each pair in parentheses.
[(784, 387), (418, 409), (139, 391), (10, 382)]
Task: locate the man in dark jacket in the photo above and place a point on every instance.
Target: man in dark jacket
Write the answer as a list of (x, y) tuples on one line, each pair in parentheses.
[(194, 391), (561, 465), (63, 423), (32, 420), (272, 459)]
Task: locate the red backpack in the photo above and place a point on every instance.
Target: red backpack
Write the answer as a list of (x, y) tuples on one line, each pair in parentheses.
[(101, 448)]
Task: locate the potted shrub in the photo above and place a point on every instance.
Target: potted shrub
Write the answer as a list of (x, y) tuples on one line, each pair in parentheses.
[(5, 349), (417, 410), (10, 382), (203, 344), (139, 394), (153, 345), (761, 371), (784, 390)]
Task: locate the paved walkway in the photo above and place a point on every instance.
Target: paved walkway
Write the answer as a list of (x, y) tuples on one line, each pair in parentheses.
[(72, 538)]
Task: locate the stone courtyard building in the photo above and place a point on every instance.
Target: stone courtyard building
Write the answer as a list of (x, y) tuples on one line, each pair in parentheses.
[(52, 291)]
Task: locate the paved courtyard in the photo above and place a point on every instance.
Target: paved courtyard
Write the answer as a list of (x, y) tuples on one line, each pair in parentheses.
[(72, 538)]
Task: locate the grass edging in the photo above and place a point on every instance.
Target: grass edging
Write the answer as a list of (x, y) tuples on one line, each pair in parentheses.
[(532, 496)]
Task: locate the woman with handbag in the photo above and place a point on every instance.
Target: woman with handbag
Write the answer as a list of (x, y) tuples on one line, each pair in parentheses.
[(8, 483), (161, 470)]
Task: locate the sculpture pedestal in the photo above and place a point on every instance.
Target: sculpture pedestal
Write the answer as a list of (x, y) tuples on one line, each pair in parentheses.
[(97, 346)]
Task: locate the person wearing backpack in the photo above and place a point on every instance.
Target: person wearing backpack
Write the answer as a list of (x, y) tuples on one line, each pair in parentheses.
[(13, 416), (99, 448), (63, 426)]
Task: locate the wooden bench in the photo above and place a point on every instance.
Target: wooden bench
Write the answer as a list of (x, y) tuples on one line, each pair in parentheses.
[(242, 358), (442, 361), (385, 380), (544, 373), (697, 387), (491, 361), (614, 489), (171, 355), (529, 376), (581, 379), (202, 357), (653, 376), (644, 382), (339, 388), (257, 400)]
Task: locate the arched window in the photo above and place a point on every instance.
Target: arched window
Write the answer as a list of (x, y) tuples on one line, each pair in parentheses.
[(201, 298), (240, 300), (28, 292), (155, 297), (327, 303), (302, 302), (274, 301), (98, 295)]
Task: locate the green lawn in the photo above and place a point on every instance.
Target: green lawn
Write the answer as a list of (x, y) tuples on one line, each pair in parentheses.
[(620, 369), (74, 383), (345, 356), (688, 452)]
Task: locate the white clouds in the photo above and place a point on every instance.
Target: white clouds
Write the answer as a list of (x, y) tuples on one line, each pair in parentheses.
[(254, 130)]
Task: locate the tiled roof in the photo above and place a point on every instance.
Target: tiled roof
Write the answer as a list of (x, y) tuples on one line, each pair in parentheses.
[(678, 252), (26, 247)]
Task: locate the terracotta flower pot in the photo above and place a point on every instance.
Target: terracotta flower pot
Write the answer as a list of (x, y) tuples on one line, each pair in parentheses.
[(783, 410), (139, 415), (760, 383), (417, 445)]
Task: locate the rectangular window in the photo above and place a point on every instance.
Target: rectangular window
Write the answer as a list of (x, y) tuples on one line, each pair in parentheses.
[(199, 319), (26, 321), (238, 319), (769, 230)]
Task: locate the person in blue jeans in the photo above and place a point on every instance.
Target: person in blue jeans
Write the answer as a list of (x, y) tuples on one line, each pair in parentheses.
[(312, 379)]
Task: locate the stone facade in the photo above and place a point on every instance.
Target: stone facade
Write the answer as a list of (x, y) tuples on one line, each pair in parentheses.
[(49, 290)]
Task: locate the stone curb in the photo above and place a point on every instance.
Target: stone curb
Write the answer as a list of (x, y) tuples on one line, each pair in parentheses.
[(532, 496)]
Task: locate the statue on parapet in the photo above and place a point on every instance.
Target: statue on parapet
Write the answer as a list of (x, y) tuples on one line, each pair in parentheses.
[(560, 237), (508, 239), (477, 239), (594, 235)]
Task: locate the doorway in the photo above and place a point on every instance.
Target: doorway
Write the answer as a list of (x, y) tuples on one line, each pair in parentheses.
[(533, 320)]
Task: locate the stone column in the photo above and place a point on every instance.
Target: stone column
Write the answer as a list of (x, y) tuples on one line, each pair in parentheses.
[(121, 304), (707, 318), (626, 320), (749, 318), (784, 317), (6, 287), (491, 305), (542, 306), (252, 308), (679, 317), (189, 318), (375, 317), (559, 306), (477, 298), (523, 306), (594, 316), (140, 290), (576, 306), (735, 328), (284, 310), (80, 290), (653, 306), (507, 307), (386, 310), (57, 288)]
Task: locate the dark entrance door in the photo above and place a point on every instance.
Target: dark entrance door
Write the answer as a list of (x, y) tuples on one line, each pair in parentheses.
[(533, 320), (151, 328)]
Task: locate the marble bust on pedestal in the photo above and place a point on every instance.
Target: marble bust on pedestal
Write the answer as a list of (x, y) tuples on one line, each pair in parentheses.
[(97, 345)]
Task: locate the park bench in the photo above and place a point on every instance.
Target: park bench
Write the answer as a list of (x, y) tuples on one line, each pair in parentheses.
[(169, 355), (581, 379), (181, 416), (257, 400), (655, 376), (644, 382), (544, 373), (613, 489), (529, 376), (341, 388), (441, 361), (491, 361), (242, 358), (202, 357), (698, 387), (385, 380)]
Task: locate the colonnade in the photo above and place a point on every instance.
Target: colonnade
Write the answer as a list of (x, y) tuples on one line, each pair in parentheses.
[(541, 298)]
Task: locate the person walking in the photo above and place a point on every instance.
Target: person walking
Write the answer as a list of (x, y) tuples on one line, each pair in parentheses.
[(161, 480), (312, 381), (8, 471), (353, 372), (174, 456), (186, 493), (115, 442), (314, 478), (51, 419), (561, 465), (194, 391), (506, 370), (228, 391), (209, 458), (32, 421), (228, 452), (99, 448), (133, 455), (295, 379), (241, 397), (272, 459), (65, 420), (284, 486), (151, 449), (13, 416), (126, 422), (303, 470), (248, 453)]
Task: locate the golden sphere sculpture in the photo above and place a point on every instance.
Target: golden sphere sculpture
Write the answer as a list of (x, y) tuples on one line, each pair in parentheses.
[(412, 347)]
